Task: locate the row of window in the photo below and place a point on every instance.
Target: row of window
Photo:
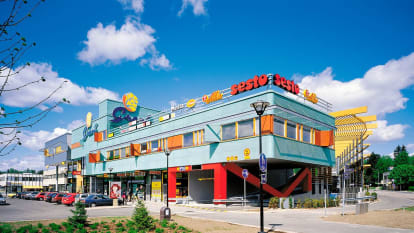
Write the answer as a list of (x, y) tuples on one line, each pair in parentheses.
[(19, 178), (188, 140), (53, 151), (281, 127)]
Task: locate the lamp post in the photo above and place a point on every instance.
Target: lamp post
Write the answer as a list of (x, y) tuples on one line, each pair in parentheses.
[(165, 212), (260, 107)]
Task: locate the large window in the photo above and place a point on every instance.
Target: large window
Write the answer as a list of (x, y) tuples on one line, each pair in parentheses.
[(291, 130), (306, 134), (188, 139), (116, 154), (154, 146), (228, 131), (123, 154), (245, 128), (110, 155), (279, 127), (144, 148)]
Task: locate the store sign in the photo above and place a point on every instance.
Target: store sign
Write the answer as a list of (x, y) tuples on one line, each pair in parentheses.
[(88, 119), (215, 96), (263, 80), (130, 102), (177, 107), (310, 96), (166, 117), (191, 103), (89, 131), (76, 173)]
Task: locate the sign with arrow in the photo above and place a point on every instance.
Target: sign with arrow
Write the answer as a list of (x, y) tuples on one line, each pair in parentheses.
[(245, 173), (263, 162)]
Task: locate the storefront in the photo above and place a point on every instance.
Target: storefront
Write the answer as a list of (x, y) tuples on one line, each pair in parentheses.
[(212, 139)]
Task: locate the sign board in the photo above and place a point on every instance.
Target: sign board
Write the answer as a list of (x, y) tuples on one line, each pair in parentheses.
[(115, 190), (246, 153), (263, 178), (75, 173), (263, 162), (245, 173)]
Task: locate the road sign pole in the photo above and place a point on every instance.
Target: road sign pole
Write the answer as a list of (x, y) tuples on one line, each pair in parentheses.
[(343, 195), (244, 198), (261, 185)]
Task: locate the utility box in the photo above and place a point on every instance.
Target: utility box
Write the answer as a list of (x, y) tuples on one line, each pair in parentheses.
[(115, 202), (165, 213), (361, 208)]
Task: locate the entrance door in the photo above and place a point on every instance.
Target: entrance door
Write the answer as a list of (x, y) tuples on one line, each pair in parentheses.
[(182, 185)]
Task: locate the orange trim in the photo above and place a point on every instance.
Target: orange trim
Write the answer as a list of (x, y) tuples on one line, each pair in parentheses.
[(135, 149), (326, 138), (75, 145), (267, 124), (175, 142)]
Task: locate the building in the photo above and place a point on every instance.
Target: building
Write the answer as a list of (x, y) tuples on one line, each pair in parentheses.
[(19, 182), (58, 166), (212, 139)]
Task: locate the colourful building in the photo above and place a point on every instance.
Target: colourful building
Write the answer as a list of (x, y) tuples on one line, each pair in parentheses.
[(212, 138)]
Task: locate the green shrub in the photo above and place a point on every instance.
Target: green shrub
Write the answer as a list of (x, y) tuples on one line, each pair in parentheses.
[(120, 229), (375, 195), (321, 202), (119, 224), (274, 203), (315, 203), (79, 215), (367, 193), (39, 225), (307, 203), (6, 228), (410, 188), (105, 226), (94, 226), (113, 220), (83, 230), (159, 230), (94, 232), (45, 230), (141, 217), (290, 202), (26, 228), (132, 230), (173, 225), (34, 230), (164, 223), (54, 226), (281, 202), (299, 204)]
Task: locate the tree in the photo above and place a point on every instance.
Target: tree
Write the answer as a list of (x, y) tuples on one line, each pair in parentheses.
[(13, 45), (370, 173), (143, 221), (79, 215), (403, 174), (401, 158)]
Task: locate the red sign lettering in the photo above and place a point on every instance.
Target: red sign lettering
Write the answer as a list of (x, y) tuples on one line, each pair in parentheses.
[(263, 80)]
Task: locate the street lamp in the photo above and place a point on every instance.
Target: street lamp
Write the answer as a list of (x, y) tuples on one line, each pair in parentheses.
[(165, 212), (260, 107)]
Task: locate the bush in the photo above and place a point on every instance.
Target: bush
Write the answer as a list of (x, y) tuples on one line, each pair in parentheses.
[(375, 195), (290, 202), (299, 204), (54, 226), (307, 203), (159, 230), (367, 193), (164, 223), (79, 215), (274, 203), (173, 225), (410, 188), (315, 203), (281, 202), (141, 218), (94, 226), (6, 228), (321, 202)]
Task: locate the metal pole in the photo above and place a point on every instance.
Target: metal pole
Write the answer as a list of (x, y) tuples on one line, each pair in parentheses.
[(343, 194), (244, 196), (362, 163), (57, 178), (167, 182), (325, 200), (261, 185)]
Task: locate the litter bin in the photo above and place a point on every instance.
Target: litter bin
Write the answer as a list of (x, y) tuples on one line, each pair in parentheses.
[(361, 208), (165, 213)]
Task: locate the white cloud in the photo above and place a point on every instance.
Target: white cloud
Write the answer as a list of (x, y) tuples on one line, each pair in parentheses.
[(31, 95), (75, 124), (385, 132), (198, 7), (379, 88), (35, 162), (36, 140), (135, 5), (132, 41)]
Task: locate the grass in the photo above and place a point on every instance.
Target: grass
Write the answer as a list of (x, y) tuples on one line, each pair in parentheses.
[(410, 208)]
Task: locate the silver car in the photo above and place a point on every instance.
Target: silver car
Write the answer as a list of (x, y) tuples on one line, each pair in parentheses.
[(2, 199), (81, 196)]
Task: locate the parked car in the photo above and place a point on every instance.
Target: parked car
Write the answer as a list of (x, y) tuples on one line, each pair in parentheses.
[(58, 198), (98, 200), (19, 194), (69, 199), (23, 195), (40, 196), (11, 195), (31, 195), (81, 196), (50, 196), (2, 199)]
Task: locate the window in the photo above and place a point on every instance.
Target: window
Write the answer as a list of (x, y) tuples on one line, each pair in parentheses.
[(228, 131), (116, 154), (291, 130), (245, 128), (154, 146), (279, 127), (306, 134), (58, 149), (123, 154), (188, 139), (127, 151), (144, 148)]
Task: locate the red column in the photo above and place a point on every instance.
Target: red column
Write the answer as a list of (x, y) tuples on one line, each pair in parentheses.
[(220, 181), (172, 183)]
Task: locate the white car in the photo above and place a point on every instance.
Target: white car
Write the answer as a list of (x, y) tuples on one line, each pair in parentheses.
[(2, 199)]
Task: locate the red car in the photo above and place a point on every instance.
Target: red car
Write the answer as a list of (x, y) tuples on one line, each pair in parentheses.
[(48, 196), (69, 199), (58, 198), (40, 196)]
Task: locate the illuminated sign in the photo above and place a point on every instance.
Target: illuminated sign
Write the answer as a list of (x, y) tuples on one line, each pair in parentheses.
[(177, 107), (191, 103), (310, 96), (166, 117), (110, 135), (130, 102), (88, 130), (215, 96), (263, 80), (88, 119)]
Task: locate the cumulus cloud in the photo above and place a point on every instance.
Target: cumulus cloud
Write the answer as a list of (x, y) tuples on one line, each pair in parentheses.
[(135, 5), (31, 95), (380, 87), (385, 132), (198, 7), (36, 140), (75, 124), (132, 41), (35, 162)]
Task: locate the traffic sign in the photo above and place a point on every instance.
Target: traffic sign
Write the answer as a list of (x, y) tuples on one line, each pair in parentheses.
[(263, 162), (245, 173), (263, 178)]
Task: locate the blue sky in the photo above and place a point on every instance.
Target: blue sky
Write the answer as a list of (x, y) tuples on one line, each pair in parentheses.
[(351, 53)]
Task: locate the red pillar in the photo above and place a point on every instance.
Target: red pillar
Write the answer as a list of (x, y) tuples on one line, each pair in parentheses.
[(220, 181), (172, 183)]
